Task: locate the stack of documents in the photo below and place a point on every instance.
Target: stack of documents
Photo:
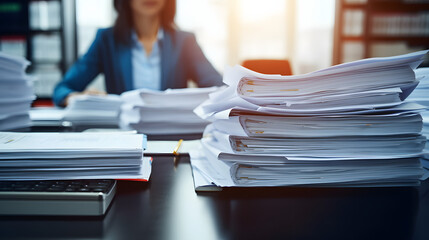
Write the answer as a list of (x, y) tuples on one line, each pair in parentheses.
[(346, 125), (16, 93), (47, 116), (164, 112), (63, 156), (93, 110), (420, 95)]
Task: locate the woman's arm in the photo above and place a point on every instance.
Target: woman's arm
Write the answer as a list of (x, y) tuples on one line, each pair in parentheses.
[(200, 68), (81, 73)]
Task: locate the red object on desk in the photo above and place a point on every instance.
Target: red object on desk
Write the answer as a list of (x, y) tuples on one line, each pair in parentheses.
[(43, 103), (134, 180)]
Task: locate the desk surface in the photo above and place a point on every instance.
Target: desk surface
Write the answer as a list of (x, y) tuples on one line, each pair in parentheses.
[(168, 208)]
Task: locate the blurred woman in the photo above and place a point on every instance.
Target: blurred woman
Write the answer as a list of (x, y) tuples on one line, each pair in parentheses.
[(144, 49)]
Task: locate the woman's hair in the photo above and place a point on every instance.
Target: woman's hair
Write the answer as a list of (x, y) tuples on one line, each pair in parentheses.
[(124, 21)]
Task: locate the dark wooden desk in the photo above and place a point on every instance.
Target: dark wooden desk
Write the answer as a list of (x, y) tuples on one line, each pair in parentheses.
[(169, 208)]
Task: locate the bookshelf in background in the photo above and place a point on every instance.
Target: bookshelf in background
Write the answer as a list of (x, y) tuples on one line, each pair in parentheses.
[(44, 32), (379, 28)]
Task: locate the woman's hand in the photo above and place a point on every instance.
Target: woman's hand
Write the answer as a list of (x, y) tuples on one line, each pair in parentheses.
[(86, 92)]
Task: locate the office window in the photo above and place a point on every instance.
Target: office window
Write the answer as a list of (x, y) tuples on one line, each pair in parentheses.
[(262, 29), (231, 31), (208, 19), (314, 35), (88, 22)]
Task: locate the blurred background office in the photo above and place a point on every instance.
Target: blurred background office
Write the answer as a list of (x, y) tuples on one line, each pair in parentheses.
[(311, 34)]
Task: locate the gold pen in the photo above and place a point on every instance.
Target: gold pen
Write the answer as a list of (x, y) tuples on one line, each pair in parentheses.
[(176, 149)]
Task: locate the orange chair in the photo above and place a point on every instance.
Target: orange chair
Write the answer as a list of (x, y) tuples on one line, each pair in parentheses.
[(268, 66)]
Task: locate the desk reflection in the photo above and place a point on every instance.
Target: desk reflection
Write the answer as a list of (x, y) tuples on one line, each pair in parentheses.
[(34, 227), (168, 208), (320, 213)]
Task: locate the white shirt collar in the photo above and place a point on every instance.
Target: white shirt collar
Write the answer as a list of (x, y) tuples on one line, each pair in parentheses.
[(135, 39)]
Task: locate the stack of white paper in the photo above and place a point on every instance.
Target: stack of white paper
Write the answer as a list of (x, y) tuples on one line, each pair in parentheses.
[(346, 125), (47, 116), (420, 95), (94, 110), (164, 112), (62, 156), (16, 93)]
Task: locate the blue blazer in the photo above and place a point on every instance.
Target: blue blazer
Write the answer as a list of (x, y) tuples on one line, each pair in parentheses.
[(181, 60)]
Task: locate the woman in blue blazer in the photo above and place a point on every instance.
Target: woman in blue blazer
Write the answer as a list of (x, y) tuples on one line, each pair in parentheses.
[(143, 49)]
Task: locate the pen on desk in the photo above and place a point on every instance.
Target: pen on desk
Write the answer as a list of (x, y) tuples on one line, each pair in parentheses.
[(176, 149)]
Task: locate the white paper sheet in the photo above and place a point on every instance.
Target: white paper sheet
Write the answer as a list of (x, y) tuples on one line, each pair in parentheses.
[(167, 147)]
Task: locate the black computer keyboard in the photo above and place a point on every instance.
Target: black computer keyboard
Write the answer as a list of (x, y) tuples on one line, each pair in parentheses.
[(56, 198), (58, 186)]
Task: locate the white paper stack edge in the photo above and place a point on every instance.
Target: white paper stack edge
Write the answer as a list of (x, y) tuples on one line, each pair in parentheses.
[(16, 93), (164, 112)]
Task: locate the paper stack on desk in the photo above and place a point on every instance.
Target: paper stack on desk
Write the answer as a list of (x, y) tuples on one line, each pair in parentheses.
[(16, 93), (63, 156), (94, 110), (164, 112), (421, 96), (346, 125)]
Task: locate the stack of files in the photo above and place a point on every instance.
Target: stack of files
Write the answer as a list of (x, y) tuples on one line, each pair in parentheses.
[(420, 95), (47, 116), (93, 110), (164, 112), (16, 93), (347, 125), (64, 156)]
